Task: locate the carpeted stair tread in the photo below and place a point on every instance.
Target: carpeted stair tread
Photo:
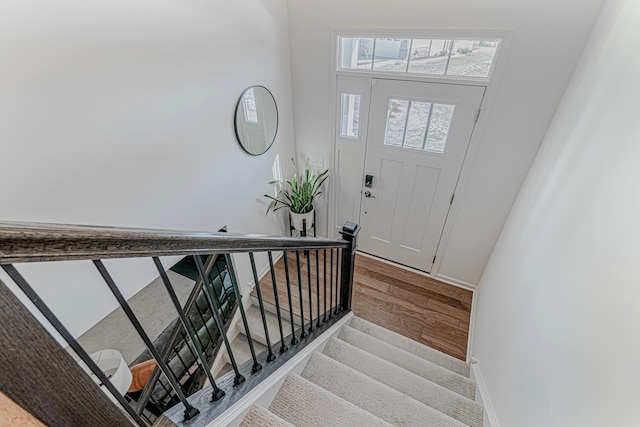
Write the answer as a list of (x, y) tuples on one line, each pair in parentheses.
[(224, 369), (429, 393), (374, 397), (254, 319), (305, 404), (259, 416), (427, 353), (241, 350), (284, 310), (410, 362)]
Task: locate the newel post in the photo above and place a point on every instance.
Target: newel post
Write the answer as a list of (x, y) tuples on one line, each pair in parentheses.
[(350, 234)]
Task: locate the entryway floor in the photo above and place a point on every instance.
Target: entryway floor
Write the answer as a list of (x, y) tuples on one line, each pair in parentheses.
[(424, 309), (421, 308)]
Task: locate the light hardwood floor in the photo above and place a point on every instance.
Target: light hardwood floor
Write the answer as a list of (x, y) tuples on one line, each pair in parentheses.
[(423, 309), (12, 414)]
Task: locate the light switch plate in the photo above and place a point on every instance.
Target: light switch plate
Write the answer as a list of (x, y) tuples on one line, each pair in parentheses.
[(317, 162)]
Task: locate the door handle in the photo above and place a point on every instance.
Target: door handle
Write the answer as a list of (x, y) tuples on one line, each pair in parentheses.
[(368, 195)]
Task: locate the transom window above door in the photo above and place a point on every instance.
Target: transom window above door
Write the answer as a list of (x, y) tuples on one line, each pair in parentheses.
[(459, 58)]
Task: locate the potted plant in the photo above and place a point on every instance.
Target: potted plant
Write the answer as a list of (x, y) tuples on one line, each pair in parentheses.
[(297, 194)]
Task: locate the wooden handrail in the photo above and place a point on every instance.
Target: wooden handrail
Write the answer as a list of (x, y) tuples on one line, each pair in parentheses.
[(31, 242)]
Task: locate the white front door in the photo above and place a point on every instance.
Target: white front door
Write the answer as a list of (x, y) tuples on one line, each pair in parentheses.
[(417, 135)]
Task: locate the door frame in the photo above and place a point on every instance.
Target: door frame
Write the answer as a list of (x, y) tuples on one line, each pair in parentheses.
[(439, 171), (490, 84)]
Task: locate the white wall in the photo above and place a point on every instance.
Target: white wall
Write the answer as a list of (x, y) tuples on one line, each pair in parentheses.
[(116, 112), (558, 315), (548, 36)]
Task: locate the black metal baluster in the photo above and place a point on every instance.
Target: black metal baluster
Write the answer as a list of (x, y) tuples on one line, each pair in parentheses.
[(193, 327), (215, 292), (147, 392), (216, 317), (303, 334), (339, 287), (294, 340), (190, 411), (283, 347), (338, 295), (204, 322), (217, 392), (256, 366), (318, 287), (182, 362), (270, 356), (324, 273), (185, 339), (146, 418), (167, 390), (77, 348), (308, 253), (168, 400), (331, 285)]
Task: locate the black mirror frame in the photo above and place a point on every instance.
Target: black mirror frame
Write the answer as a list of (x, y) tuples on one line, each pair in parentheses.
[(235, 123)]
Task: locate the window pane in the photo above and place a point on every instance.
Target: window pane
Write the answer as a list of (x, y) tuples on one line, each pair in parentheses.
[(249, 103), (356, 53), (436, 57), (417, 124), (472, 58), (350, 115), (391, 55), (429, 56), (396, 120), (439, 127)]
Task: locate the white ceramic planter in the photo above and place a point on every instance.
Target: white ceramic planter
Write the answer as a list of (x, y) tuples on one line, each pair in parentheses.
[(297, 219), (115, 368)]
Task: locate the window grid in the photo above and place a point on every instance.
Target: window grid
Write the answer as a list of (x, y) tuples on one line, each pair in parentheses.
[(406, 69), (426, 132), (473, 58), (440, 127)]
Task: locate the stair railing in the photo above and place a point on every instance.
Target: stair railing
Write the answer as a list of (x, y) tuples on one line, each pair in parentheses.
[(43, 378)]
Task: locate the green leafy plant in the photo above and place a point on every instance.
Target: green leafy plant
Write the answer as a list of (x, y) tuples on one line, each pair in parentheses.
[(298, 192)]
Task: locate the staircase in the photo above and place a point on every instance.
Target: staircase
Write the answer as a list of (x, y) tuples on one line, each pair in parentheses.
[(369, 376), (240, 345), (306, 360)]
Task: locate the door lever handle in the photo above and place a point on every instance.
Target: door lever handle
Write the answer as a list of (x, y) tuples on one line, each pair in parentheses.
[(368, 195)]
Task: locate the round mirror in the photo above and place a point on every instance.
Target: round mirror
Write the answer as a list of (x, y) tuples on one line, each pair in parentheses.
[(256, 120)]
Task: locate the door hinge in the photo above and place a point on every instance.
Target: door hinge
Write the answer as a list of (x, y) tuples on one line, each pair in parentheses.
[(434, 260), (452, 197), (478, 115)]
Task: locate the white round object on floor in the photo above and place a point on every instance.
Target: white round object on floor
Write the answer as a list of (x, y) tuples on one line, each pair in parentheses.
[(115, 369)]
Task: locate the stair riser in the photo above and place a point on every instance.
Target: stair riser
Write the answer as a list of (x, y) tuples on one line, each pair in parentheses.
[(410, 362), (411, 346), (372, 396), (284, 312), (303, 403), (429, 393)]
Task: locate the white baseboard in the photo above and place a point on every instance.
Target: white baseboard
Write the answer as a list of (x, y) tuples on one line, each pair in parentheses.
[(446, 279), (490, 414), (456, 282), (472, 325)]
